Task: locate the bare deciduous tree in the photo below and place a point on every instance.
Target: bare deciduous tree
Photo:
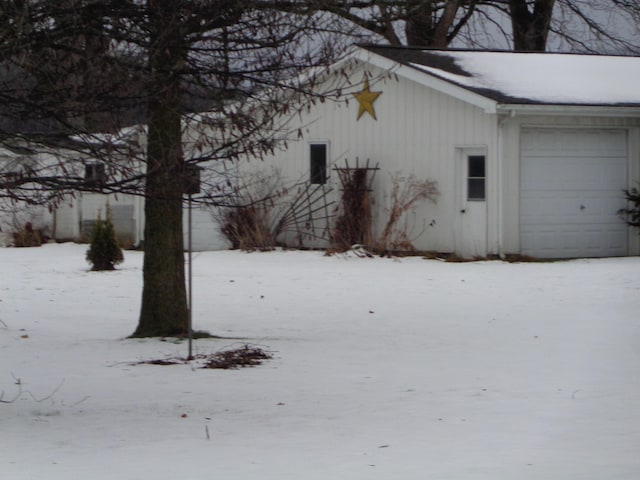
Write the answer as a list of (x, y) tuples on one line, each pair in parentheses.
[(125, 83), (433, 23), (523, 25)]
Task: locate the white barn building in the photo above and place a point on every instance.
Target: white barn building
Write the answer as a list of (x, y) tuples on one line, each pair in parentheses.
[(531, 151)]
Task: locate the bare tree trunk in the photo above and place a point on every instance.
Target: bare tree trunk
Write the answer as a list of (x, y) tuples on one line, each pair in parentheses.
[(419, 26), (530, 28), (164, 305), (441, 37), (426, 27)]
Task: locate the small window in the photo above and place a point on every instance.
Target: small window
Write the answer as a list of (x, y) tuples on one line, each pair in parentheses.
[(94, 173), (476, 178), (318, 163)]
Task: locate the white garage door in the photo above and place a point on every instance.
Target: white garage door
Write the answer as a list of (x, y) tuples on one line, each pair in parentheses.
[(571, 184)]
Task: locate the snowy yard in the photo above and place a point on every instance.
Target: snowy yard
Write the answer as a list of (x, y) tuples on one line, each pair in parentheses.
[(383, 369)]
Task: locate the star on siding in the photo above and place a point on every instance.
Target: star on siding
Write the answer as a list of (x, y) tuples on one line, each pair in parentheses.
[(365, 100)]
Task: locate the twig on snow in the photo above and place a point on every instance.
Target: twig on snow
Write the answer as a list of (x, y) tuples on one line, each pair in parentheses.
[(22, 392)]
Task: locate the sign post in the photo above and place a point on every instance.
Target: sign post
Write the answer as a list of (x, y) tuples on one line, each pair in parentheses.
[(191, 186)]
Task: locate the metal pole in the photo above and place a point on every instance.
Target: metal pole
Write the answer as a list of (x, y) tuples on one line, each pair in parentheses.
[(190, 284)]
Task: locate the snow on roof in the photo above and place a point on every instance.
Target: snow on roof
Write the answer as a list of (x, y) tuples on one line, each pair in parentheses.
[(530, 78)]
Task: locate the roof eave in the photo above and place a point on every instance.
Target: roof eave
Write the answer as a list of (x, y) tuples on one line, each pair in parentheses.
[(424, 78), (569, 109)]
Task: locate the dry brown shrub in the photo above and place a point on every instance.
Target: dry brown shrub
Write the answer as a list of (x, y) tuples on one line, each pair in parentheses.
[(405, 196), (27, 237)]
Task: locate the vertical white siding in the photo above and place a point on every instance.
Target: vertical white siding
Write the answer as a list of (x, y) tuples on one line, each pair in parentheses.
[(206, 232), (417, 133)]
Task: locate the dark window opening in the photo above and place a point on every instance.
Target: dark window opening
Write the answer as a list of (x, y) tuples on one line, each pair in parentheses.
[(94, 173), (318, 163), (476, 177)]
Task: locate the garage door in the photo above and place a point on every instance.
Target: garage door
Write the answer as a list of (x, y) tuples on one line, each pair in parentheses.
[(571, 184)]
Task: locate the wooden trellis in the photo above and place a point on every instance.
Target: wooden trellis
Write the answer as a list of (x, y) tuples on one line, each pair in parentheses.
[(354, 223)]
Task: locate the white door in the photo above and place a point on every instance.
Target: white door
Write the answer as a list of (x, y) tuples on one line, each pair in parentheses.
[(571, 183), (471, 242)]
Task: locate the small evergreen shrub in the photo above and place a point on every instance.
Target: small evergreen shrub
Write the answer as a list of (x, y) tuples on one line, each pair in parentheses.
[(104, 252), (631, 215)]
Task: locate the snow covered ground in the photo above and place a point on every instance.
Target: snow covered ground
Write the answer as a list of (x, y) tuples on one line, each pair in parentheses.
[(384, 369)]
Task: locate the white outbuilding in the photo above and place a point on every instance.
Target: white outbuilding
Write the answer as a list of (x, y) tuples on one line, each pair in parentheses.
[(531, 152)]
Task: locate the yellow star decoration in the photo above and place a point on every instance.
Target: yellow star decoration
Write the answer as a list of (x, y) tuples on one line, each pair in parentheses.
[(365, 99)]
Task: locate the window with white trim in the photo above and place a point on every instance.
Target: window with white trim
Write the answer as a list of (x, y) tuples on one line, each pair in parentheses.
[(476, 177), (318, 163)]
